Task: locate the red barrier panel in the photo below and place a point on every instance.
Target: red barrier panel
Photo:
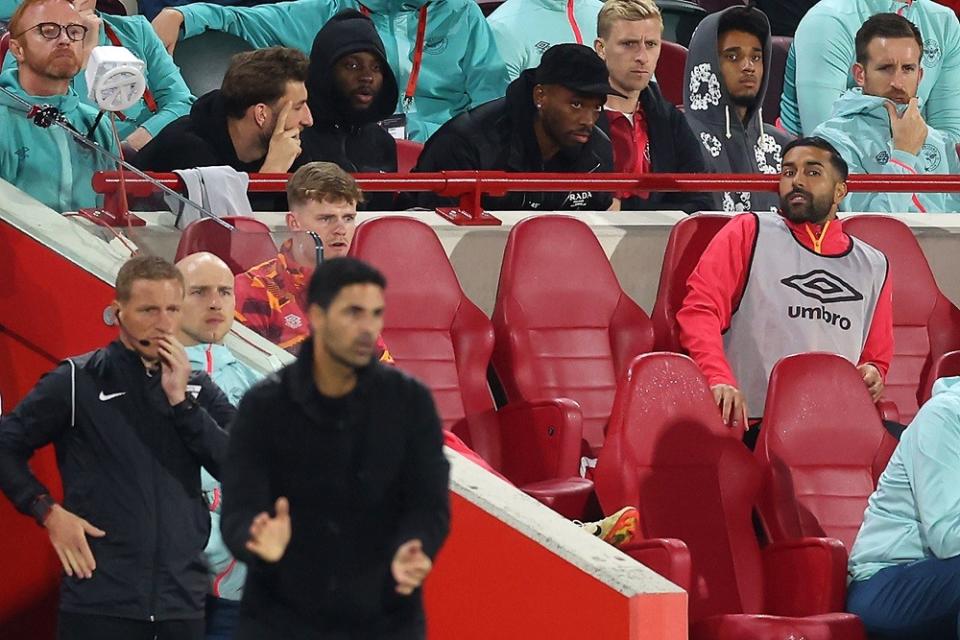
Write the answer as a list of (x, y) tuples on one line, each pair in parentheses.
[(470, 186)]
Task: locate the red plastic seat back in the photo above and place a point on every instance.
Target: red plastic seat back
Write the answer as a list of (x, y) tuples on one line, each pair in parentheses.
[(673, 59), (688, 239), (776, 68), (668, 453), (925, 323), (823, 448), (243, 247), (433, 331), (564, 327), (408, 152)]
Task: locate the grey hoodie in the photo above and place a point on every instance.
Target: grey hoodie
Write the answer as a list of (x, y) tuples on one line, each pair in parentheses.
[(728, 145)]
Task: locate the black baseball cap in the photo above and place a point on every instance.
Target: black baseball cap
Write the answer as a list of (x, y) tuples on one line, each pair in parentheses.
[(577, 68)]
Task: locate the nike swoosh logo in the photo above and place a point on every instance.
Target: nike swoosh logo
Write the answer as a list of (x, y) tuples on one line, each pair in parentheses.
[(104, 397)]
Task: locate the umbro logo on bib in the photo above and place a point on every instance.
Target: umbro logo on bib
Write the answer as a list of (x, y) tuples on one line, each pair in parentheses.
[(823, 287)]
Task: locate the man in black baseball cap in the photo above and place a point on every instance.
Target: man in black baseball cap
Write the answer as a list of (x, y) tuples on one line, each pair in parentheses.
[(546, 123)]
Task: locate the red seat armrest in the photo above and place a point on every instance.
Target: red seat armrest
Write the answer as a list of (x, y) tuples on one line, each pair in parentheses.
[(805, 577), (666, 556), (540, 440), (888, 410), (566, 496), (947, 365)]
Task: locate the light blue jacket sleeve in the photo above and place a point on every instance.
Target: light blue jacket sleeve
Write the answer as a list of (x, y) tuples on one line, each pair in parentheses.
[(164, 80), (289, 24), (901, 163), (824, 53), (7, 7), (936, 475), (486, 72), (942, 109), (513, 50)]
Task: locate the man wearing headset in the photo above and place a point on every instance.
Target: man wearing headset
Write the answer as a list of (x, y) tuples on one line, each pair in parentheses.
[(131, 426)]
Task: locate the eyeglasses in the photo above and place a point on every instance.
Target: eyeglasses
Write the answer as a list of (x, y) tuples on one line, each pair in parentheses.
[(52, 30)]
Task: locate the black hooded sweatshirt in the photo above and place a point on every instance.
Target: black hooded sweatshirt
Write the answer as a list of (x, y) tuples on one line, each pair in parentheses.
[(341, 134), (499, 136), (201, 139)]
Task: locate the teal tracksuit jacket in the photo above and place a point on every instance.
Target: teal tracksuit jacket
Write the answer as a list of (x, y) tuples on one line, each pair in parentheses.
[(860, 131)]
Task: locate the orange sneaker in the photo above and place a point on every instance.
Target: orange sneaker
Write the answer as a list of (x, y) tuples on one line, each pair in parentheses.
[(617, 529)]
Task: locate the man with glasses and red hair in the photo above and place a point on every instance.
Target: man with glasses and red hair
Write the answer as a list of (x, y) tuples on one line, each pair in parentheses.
[(48, 40)]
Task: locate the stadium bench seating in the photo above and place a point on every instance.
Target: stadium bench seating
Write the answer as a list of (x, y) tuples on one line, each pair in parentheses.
[(205, 58), (242, 249), (670, 67)]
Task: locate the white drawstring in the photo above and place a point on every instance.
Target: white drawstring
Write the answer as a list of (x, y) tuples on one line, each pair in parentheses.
[(726, 111)]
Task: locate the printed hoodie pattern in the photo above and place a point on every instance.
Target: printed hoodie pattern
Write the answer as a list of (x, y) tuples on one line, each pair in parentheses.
[(860, 130), (461, 66), (48, 164), (729, 146)]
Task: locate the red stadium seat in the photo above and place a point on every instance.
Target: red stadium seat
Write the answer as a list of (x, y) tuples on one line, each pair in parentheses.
[(713, 6), (408, 152), (926, 325), (775, 71), (437, 334), (687, 241), (564, 327), (4, 45), (823, 448), (245, 247), (673, 58), (668, 452)]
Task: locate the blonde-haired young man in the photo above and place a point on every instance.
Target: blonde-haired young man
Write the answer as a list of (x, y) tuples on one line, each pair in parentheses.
[(271, 297), (649, 135)]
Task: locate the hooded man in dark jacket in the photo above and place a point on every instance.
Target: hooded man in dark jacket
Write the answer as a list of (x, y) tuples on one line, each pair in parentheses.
[(649, 135), (726, 71), (351, 87), (546, 123)]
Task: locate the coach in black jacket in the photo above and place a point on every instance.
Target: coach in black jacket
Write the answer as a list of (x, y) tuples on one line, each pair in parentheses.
[(131, 426), (347, 453), (351, 87), (546, 123)]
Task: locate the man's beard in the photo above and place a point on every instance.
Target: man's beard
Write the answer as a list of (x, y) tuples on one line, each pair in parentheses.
[(54, 67), (812, 210), (744, 101)]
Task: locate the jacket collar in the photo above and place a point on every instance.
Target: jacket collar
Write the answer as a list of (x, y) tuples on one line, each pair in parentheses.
[(303, 390), (220, 356)]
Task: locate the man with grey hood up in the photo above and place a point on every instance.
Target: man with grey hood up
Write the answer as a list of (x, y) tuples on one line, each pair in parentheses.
[(726, 83), (877, 127)]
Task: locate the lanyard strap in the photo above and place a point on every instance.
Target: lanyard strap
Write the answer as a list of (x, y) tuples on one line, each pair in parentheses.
[(209, 353), (573, 22), (417, 53), (147, 94), (817, 240)]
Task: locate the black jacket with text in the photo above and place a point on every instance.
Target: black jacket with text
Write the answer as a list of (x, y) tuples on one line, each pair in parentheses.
[(130, 465), (499, 136)]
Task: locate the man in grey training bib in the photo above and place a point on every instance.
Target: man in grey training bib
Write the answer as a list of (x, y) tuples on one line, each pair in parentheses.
[(773, 284)]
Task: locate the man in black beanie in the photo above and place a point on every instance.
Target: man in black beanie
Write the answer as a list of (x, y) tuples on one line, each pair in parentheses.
[(351, 87), (546, 123)]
